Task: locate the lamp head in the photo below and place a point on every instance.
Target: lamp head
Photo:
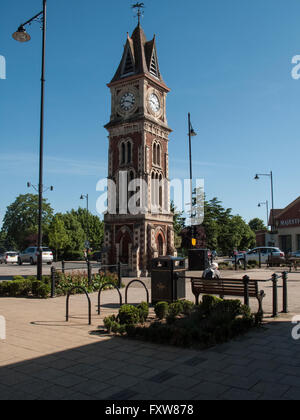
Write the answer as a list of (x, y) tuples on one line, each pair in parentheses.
[(256, 178), (81, 197), (21, 35), (193, 133)]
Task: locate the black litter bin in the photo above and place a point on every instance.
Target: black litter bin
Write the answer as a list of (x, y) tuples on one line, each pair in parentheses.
[(167, 285), (198, 259)]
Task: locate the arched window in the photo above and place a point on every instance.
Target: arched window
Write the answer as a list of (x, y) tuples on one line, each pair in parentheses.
[(154, 154), (160, 192), (158, 159), (123, 151), (129, 152)]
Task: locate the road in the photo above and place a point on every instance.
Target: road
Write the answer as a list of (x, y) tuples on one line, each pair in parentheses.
[(7, 272)]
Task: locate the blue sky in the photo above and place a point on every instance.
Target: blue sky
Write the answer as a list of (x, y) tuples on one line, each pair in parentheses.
[(228, 62)]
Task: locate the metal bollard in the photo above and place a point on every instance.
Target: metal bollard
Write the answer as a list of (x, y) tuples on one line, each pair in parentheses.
[(285, 292), (89, 268), (53, 272), (63, 267), (259, 259), (120, 275), (246, 293), (275, 295)]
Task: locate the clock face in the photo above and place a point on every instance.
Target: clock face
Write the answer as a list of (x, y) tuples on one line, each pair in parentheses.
[(154, 102), (127, 101)]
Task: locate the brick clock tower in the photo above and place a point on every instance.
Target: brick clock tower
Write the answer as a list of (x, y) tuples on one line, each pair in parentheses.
[(138, 149)]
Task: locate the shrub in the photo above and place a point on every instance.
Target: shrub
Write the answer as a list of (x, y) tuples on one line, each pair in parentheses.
[(175, 309), (108, 323), (4, 288), (187, 307), (161, 310), (43, 291), (129, 314), (19, 288), (143, 312), (209, 303)]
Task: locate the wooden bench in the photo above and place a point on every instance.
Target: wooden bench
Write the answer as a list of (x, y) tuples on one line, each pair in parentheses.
[(245, 288), (293, 262)]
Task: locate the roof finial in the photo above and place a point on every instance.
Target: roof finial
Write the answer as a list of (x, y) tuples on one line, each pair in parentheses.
[(140, 13)]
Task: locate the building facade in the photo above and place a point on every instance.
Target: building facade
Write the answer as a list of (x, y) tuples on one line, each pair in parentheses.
[(288, 227), (287, 223), (139, 223)]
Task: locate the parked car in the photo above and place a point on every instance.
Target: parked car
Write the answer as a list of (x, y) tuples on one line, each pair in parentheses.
[(295, 254), (265, 252), (30, 255), (9, 257)]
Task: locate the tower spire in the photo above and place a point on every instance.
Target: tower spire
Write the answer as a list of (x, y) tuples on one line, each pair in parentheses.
[(139, 7)]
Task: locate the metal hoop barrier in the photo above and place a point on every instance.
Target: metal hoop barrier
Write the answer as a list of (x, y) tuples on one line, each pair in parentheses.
[(89, 302), (100, 291), (136, 281)]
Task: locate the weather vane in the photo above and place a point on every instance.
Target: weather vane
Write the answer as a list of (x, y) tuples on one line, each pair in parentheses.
[(140, 13)]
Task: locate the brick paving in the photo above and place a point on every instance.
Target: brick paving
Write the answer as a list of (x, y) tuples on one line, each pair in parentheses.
[(45, 358)]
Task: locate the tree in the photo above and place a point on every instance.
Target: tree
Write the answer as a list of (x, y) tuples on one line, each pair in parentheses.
[(20, 224), (76, 235), (179, 225), (257, 224), (92, 224), (58, 236), (224, 231)]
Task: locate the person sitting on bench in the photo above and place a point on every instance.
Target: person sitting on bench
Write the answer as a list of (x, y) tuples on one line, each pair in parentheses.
[(212, 272)]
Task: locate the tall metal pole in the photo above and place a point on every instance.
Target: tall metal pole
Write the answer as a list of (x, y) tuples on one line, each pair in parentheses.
[(191, 172), (87, 218), (41, 165), (272, 193)]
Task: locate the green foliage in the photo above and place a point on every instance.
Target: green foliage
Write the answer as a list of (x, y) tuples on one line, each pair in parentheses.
[(179, 224), (109, 323), (92, 224), (129, 315), (143, 312), (175, 309), (257, 224), (20, 222), (58, 236), (215, 321), (224, 231), (208, 304), (187, 307), (161, 310)]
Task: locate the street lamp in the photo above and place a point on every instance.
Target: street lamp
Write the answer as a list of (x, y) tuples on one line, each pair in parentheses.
[(22, 36), (270, 175), (265, 203), (191, 134), (87, 243)]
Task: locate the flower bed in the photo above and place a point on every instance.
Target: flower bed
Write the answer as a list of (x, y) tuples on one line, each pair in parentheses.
[(31, 287), (183, 324)]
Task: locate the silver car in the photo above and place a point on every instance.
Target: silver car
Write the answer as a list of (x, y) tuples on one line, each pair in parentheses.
[(9, 257), (265, 252), (30, 255)]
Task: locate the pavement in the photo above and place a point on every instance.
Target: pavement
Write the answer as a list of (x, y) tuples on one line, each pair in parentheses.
[(45, 358)]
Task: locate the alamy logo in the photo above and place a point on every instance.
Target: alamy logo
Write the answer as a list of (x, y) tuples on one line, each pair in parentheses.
[(296, 329), (296, 69), (2, 328), (2, 67)]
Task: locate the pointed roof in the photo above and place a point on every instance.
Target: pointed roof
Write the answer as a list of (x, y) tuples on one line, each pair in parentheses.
[(139, 58)]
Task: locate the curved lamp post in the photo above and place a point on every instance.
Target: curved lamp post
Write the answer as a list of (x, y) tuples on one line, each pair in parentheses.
[(191, 134), (270, 175), (22, 36), (87, 244), (265, 203)]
